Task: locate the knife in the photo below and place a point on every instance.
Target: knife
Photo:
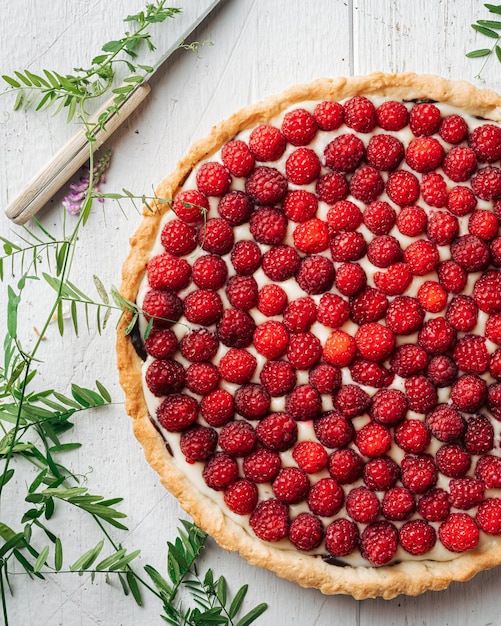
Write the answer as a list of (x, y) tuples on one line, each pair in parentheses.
[(75, 152)]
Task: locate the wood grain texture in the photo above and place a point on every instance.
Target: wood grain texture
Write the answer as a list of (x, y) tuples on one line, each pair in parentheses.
[(260, 47)]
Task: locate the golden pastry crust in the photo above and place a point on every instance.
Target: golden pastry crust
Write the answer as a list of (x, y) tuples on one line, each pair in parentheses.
[(411, 577)]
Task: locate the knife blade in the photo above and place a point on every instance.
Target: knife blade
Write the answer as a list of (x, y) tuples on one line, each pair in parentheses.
[(70, 157)]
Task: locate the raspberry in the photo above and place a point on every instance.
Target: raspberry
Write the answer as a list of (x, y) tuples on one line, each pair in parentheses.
[(252, 401), (374, 341), (161, 343), (332, 187), (445, 423), (432, 296), (270, 520), (378, 542), (268, 225), (344, 215), (459, 532), (408, 360), (271, 339), (462, 313), (452, 276), (339, 348), (466, 492), (198, 443), (434, 189), (395, 280), (389, 406), (424, 119), (436, 335), (494, 398), (304, 350), (384, 251), (302, 166), (311, 236), (470, 252), (362, 505), (235, 207), (265, 185), (235, 329), (485, 141), (315, 274), (488, 516), (348, 246), (424, 154), (411, 221), (216, 236), (392, 115), (417, 537), (441, 371), (325, 378), (479, 435), (202, 378), (495, 246), (461, 201), (209, 272), (299, 127), (261, 466), (333, 311), (453, 460), (488, 470), (381, 474), (398, 504), (277, 432), (303, 403), (326, 497), (352, 400), (203, 307), (306, 532), (373, 440), (217, 407), (421, 395), (220, 471), (191, 206), (379, 217), (199, 345), (453, 128), (486, 183), (370, 373), (344, 153), (366, 184), (164, 377), (266, 143), (345, 465), (245, 257), (300, 314), (333, 430), (237, 438), (412, 435), (495, 365), (242, 292), (419, 472), (178, 238), (359, 114), (299, 205), (310, 456), (237, 157), (237, 366), (434, 505), (442, 228), (241, 496), (177, 412), (329, 115), (281, 263), (460, 163), (404, 315), (471, 354), (469, 393), (384, 152), (483, 224), (369, 306), (213, 179), (493, 328), (271, 300), (350, 279), (291, 485), (487, 292), (341, 537)]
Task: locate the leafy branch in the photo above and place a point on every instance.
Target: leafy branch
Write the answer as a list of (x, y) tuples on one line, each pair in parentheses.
[(488, 28)]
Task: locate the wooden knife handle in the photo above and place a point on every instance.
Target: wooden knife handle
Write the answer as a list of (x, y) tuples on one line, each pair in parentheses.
[(69, 159)]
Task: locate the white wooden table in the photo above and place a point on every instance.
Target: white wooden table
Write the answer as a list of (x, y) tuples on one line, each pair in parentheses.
[(260, 47)]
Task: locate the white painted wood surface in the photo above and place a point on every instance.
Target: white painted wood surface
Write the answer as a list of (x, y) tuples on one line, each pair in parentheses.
[(260, 47)]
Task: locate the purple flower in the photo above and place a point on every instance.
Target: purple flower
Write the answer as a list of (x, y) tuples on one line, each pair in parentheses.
[(74, 199)]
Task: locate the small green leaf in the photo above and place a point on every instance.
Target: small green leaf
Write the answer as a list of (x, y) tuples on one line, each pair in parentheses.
[(60, 317), (11, 81), (6, 532), (494, 8), (478, 53), (252, 615), (42, 558), (12, 542), (58, 555), (88, 558), (497, 49), (134, 588), (490, 23), (485, 31), (101, 289), (103, 391), (237, 601), (112, 46)]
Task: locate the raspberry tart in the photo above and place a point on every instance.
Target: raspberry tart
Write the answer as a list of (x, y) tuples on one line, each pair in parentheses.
[(316, 369)]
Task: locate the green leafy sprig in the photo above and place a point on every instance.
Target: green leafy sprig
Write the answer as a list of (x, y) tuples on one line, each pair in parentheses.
[(488, 28)]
